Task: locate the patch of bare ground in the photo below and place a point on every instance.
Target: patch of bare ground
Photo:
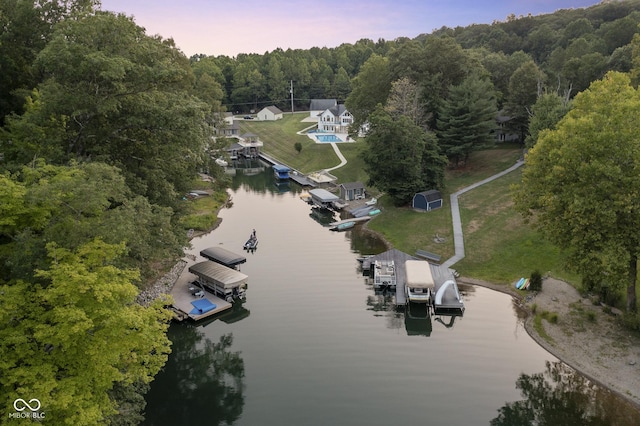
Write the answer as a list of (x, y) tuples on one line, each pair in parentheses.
[(585, 336)]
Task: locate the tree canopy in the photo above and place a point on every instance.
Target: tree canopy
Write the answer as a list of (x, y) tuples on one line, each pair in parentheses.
[(580, 185), (401, 158), (69, 339)]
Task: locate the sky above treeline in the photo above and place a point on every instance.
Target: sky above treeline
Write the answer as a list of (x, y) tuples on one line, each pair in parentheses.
[(227, 27)]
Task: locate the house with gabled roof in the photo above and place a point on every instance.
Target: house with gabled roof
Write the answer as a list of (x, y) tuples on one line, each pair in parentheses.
[(270, 113), (318, 106), (335, 120)]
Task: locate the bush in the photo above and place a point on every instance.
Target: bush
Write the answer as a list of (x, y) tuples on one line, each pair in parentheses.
[(631, 321), (535, 281), (298, 147), (553, 318)]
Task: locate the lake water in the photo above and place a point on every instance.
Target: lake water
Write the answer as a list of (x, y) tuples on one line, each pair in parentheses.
[(314, 345)]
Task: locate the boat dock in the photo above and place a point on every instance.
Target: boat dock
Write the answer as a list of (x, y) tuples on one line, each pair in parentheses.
[(446, 297), (294, 174), (223, 257), (184, 296)]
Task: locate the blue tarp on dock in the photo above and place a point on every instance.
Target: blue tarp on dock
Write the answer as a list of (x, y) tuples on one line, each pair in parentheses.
[(202, 306)]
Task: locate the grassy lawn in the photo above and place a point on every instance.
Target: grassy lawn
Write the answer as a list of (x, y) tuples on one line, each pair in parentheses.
[(499, 246), (279, 138)]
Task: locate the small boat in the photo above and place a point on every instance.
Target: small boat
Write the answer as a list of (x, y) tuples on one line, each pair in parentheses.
[(251, 244), (344, 226), (374, 212), (371, 202)]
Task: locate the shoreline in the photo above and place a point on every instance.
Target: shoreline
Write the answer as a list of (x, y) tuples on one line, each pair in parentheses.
[(571, 353), (595, 368)]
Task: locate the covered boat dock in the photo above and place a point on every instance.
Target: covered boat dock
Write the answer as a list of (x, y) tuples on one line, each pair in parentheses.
[(323, 198), (223, 256), (226, 282), (447, 299)]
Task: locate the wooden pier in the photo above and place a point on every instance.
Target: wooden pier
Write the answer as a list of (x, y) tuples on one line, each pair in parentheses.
[(183, 298)]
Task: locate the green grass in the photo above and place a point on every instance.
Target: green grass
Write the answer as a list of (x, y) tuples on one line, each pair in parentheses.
[(203, 211), (499, 246), (279, 138)]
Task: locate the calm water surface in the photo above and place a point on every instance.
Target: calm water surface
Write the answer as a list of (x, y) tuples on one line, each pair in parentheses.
[(313, 344)]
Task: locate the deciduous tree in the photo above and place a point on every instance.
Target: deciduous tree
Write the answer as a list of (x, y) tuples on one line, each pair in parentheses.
[(68, 341), (401, 159), (580, 185)]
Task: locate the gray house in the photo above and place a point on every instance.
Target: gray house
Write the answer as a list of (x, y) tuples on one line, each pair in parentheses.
[(427, 200), (352, 191)]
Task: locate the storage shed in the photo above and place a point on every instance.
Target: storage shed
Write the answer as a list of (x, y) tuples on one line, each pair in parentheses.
[(352, 191), (270, 113), (427, 200)]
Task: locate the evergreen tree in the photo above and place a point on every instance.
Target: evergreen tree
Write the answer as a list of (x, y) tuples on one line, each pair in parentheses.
[(467, 118)]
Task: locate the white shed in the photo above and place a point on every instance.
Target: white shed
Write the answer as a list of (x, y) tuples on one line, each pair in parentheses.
[(270, 113)]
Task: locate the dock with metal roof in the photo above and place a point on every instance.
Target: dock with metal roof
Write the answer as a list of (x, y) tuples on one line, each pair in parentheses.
[(449, 301), (223, 256)]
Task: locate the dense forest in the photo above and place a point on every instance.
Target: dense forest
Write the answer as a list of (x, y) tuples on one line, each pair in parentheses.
[(104, 128)]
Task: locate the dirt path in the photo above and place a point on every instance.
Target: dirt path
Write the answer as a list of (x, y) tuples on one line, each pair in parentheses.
[(585, 336)]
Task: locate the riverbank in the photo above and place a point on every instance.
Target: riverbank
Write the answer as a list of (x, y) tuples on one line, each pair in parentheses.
[(585, 336)]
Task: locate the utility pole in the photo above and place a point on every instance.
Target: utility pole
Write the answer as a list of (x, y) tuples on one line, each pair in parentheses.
[(291, 91)]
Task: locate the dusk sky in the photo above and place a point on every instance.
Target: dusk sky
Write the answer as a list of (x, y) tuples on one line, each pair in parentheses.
[(228, 27)]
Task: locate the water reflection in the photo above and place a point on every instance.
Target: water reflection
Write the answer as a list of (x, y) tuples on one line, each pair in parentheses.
[(560, 396), (202, 382)]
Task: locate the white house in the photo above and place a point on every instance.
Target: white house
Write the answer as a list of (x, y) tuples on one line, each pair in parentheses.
[(318, 106), (270, 113), (335, 120)]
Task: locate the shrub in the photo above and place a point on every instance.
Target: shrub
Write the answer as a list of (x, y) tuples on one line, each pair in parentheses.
[(534, 308), (553, 318), (631, 321), (298, 147), (535, 281)]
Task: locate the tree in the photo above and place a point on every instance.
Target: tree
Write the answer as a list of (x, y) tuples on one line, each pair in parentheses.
[(525, 84), (580, 185), (72, 205), (404, 100), (467, 118), (369, 88), (545, 114), (114, 94), (70, 340), (401, 159)]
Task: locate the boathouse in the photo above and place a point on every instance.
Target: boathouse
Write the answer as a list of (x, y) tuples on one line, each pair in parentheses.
[(281, 172), (223, 256), (225, 282), (427, 200), (323, 198)]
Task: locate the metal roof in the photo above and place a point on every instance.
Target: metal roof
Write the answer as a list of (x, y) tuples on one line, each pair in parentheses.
[(223, 256), (280, 168), (418, 274), (218, 273), (323, 195)]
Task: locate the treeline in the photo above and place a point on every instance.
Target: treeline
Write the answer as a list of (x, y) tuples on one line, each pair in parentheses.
[(104, 129), (571, 47)]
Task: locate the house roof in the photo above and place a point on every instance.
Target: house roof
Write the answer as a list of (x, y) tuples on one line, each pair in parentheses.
[(352, 185), (431, 195), (338, 110), (323, 195), (274, 109), (322, 104)]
